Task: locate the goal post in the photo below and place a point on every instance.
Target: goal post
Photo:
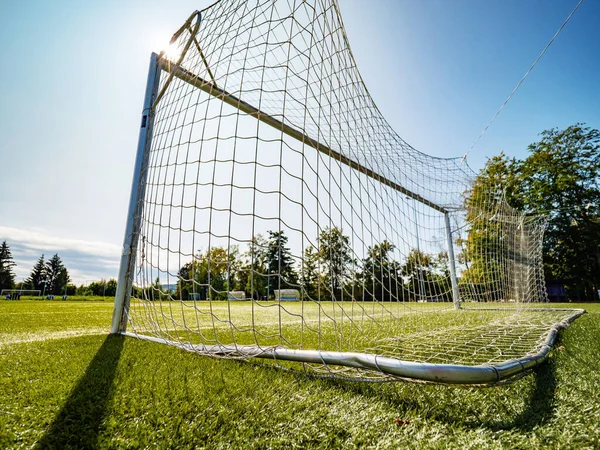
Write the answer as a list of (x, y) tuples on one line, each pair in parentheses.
[(296, 226), (130, 241)]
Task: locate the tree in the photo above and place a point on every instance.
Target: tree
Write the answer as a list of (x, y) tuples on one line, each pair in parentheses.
[(336, 257), (310, 274), (110, 288), (57, 276), (279, 262), (485, 248), (100, 288), (210, 274), (416, 269), (38, 278), (255, 268), (7, 276), (380, 276), (561, 179)]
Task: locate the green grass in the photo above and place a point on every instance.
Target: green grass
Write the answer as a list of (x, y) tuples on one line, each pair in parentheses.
[(99, 391)]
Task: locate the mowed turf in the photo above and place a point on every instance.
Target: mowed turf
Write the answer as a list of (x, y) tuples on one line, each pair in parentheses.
[(66, 384)]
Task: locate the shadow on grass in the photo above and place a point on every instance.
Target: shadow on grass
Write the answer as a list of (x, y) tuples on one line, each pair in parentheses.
[(540, 406), (494, 407), (77, 425)]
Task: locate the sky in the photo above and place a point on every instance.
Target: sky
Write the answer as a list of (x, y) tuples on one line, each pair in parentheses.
[(73, 78)]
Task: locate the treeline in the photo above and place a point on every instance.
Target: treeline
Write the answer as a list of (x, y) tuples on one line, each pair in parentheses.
[(328, 271), (49, 277)]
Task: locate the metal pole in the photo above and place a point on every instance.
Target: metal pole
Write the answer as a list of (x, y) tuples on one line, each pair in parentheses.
[(119, 322), (451, 263), (421, 283), (521, 276)]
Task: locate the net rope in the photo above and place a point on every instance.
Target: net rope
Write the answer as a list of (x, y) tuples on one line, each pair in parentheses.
[(279, 209)]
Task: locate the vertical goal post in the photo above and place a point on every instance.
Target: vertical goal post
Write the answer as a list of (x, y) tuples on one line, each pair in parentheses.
[(130, 241), (257, 121)]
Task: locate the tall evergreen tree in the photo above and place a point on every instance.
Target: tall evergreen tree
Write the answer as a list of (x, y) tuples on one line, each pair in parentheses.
[(280, 262), (57, 276), (38, 278), (7, 276)]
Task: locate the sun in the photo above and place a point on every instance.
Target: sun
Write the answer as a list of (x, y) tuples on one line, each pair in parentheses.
[(168, 50), (171, 52)]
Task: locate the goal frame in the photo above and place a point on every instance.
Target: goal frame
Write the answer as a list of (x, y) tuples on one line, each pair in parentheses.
[(428, 372), (20, 291)]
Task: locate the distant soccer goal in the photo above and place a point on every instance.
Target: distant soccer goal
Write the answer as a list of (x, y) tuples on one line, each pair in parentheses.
[(287, 295), (236, 295), (17, 294), (266, 172)]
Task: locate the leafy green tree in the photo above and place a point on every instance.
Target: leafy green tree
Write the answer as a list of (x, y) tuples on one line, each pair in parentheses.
[(210, 274), (336, 258), (381, 278), (561, 179), (110, 288), (38, 277), (486, 245), (416, 269), (7, 276), (279, 262), (71, 289), (428, 276), (101, 288), (57, 276)]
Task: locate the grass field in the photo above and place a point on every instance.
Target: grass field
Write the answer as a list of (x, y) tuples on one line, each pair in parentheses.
[(64, 383)]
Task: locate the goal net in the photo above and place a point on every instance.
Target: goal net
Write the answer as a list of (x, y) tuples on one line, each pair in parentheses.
[(300, 228)]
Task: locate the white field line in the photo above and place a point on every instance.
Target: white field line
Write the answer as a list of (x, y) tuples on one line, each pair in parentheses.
[(22, 338), (49, 313)]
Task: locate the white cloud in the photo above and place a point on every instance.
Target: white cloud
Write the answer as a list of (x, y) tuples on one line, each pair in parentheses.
[(37, 239), (85, 260)]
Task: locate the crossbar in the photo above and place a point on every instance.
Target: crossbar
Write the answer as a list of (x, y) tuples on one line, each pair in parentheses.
[(211, 89)]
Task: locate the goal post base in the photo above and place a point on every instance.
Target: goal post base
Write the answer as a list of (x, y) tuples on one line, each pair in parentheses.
[(396, 369)]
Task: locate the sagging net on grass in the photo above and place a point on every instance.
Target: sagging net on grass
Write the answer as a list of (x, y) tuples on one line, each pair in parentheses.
[(280, 216)]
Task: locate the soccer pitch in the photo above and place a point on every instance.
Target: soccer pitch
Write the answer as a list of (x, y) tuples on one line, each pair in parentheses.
[(65, 383)]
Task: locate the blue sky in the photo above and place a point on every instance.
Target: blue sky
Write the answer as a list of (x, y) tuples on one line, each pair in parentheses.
[(74, 73)]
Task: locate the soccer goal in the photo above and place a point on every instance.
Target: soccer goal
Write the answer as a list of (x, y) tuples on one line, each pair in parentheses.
[(265, 171), (17, 294)]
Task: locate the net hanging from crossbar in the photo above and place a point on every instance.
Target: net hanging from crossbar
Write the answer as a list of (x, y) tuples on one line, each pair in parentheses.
[(280, 216)]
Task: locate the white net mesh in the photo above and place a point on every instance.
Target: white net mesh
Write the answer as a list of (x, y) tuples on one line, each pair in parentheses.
[(278, 211)]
